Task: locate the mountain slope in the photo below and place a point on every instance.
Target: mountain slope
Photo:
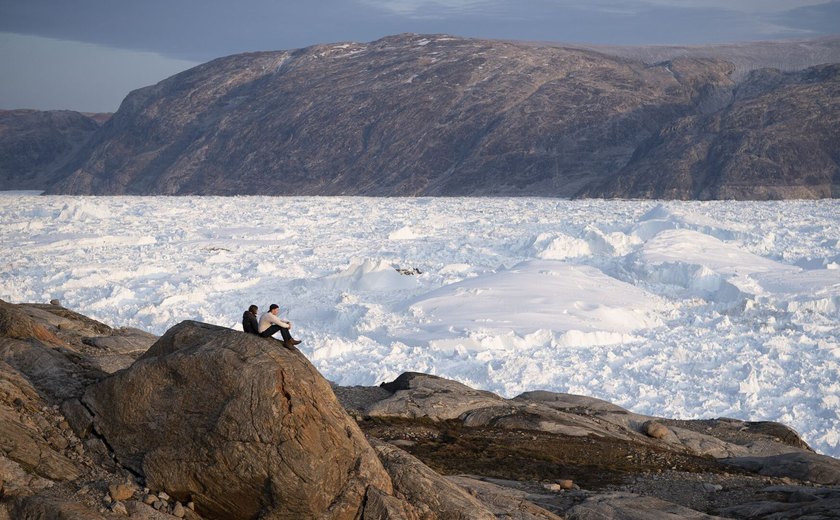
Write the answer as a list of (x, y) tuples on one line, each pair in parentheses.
[(779, 139), (34, 143), (416, 115), (406, 115)]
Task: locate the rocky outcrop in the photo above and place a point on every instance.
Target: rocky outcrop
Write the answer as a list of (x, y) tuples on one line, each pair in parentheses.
[(435, 115), (35, 143), (237, 424), (620, 506), (415, 395), (213, 423), (647, 467), (810, 467), (422, 395), (431, 495), (790, 502)]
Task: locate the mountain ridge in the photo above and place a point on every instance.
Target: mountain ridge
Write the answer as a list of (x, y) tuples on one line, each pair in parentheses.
[(437, 115)]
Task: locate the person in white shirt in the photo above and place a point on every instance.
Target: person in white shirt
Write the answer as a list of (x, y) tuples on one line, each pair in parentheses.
[(270, 324)]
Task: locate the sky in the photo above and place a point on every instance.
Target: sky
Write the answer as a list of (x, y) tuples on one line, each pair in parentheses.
[(87, 55)]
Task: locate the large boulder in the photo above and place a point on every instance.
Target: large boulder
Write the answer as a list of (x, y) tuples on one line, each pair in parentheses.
[(422, 395), (237, 424)]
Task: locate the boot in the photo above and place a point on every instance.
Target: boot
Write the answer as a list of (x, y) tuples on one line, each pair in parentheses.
[(295, 341)]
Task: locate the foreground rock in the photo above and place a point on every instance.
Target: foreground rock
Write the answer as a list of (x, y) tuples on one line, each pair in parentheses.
[(238, 425), (218, 424), (44, 366), (628, 465)]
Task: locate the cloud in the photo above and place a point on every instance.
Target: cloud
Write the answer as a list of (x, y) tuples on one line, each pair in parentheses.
[(744, 6), (426, 8), (443, 8)]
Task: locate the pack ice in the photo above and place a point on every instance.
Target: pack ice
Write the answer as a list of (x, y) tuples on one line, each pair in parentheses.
[(683, 309)]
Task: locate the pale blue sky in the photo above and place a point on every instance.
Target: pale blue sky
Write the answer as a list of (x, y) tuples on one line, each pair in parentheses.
[(88, 54)]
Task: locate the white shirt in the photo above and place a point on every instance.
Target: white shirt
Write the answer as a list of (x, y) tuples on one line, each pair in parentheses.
[(268, 319)]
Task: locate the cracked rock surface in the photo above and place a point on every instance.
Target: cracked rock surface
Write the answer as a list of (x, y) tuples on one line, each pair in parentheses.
[(237, 423)]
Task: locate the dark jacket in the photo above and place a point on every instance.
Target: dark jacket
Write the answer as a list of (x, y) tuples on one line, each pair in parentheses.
[(249, 323)]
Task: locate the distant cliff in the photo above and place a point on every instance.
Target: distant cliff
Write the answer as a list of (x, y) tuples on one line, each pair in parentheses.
[(779, 138), (437, 115), (33, 144)]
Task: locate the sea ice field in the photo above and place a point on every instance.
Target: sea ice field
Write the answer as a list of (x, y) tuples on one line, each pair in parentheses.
[(677, 309)]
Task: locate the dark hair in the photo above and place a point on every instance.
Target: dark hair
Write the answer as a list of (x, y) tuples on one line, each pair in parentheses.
[(253, 309), (273, 306)]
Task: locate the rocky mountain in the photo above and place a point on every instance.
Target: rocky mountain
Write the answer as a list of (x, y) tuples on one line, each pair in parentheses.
[(779, 138), (207, 422), (33, 144), (438, 115)]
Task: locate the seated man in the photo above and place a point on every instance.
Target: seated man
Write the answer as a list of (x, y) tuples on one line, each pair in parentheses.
[(249, 320), (270, 323)]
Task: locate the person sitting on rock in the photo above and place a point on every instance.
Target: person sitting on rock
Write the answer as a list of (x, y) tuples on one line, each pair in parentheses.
[(249, 320), (270, 323)]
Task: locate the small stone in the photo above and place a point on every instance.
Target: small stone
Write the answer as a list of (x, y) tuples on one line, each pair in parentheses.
[(119, 508), (55, 301), (107, 499), (163, 496), (178, 510), (711, 488), (149, 500), (159, 504), (553, 487), (191, 506), (120, 491), (565, 484), (655, 430)]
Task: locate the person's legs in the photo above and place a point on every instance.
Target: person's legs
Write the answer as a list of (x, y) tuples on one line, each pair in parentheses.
[(286, 335), (267, 333)]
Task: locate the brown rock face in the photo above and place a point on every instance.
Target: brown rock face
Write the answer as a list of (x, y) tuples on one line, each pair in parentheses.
[(432, 495), (34, 143), (237, 424)]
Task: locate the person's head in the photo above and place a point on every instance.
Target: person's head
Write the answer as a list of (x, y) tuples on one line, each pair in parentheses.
[(273, 308), (253, 309)]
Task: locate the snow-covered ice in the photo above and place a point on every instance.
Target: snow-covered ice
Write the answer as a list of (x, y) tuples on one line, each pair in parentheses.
[(679, 309)]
